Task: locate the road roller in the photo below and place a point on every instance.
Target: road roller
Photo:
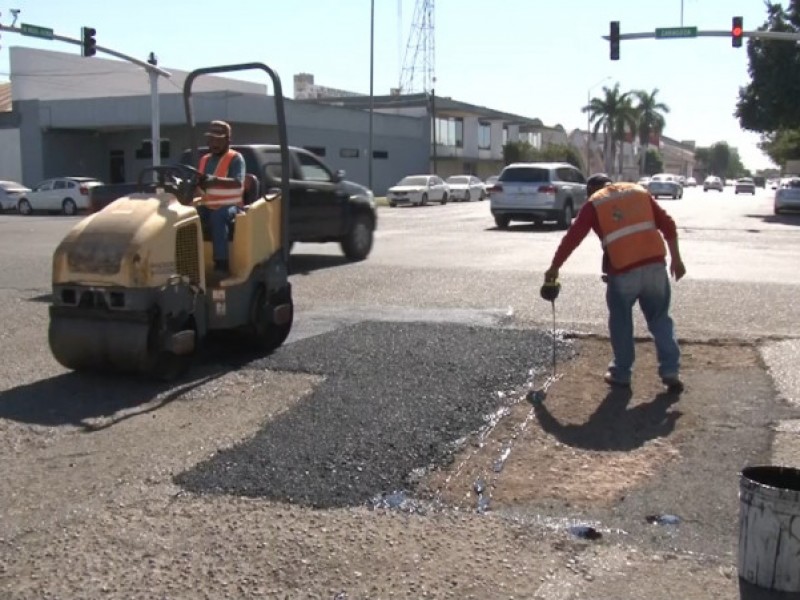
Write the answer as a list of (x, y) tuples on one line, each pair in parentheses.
[(134, 287)]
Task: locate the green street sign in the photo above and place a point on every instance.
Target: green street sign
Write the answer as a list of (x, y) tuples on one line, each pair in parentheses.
[(675, 32), (36, 31)]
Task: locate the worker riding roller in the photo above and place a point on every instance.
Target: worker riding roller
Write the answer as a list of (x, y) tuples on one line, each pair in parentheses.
[(140, 284)]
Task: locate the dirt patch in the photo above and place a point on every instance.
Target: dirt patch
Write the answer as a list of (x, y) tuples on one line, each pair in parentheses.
[(586, 444)]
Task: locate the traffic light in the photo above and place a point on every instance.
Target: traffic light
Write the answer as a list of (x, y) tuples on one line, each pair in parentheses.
[(613, 40), (736, 32), (88, 43)]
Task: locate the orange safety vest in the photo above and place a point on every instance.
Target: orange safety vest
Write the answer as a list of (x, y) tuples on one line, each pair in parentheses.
[(217, 197), (627, 225)]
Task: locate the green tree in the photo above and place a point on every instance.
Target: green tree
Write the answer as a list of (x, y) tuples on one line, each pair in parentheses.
[(769, 103), (653, 163), (561, 153), (611, 114), (781, 145), (518, 152), (650, 120)]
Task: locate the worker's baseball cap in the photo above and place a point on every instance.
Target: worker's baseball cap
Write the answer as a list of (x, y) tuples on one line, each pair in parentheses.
[(219, 129), (597, 182)]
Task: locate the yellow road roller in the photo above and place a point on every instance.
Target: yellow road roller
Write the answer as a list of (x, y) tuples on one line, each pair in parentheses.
[(134, 286)]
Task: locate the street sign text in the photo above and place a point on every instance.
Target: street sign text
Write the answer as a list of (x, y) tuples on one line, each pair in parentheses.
[(36, 31), (675, 32)]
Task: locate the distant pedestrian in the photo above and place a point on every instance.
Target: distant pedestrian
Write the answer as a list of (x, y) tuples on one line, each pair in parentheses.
[(630, 225)]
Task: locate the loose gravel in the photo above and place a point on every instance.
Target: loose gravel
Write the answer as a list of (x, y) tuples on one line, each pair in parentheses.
[(363, 433)]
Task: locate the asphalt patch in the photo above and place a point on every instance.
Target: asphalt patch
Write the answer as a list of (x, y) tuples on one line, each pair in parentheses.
[(395, 399)]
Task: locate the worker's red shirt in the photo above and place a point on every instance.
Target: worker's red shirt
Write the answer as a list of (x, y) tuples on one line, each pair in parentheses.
[(587, 220)]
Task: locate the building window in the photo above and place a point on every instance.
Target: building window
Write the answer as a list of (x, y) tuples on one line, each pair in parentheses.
[(534, 138), (318, 150), (484, 136), (348, 153), (380, 154), (450, 132), (505, 135)]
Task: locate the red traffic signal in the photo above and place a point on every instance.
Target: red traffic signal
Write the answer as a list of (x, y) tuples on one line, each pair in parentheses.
[(737, 31)]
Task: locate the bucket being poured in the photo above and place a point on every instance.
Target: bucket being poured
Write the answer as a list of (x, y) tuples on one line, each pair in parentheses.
[(769, 527)]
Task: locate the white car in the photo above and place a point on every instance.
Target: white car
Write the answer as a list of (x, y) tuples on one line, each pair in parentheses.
[(64, 194), (466, 188), (10, 191), (665, 184), (418, 190), (788, 196)]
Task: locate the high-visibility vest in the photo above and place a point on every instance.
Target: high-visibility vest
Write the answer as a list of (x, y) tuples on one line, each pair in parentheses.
[(215, 197), (627, 224)]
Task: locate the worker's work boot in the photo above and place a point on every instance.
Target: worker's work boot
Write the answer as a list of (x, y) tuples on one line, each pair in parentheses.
[(673, 383), (613, 381)]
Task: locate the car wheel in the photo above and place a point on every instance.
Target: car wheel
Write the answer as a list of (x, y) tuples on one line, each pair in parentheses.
[(393, 204), (501, 221), (24, 207), (444, 199), (468, 198), (69, 208), (424, 200), (565, 220), (482, 197), (357, 244)]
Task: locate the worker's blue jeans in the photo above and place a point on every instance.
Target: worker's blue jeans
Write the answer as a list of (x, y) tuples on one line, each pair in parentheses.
[(649, 285), (219, 220)]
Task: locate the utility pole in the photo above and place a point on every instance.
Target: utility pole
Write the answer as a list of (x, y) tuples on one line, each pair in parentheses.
[(371, 89)]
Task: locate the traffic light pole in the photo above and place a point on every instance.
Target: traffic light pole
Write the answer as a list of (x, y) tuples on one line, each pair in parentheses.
[(153, 71), (768, 35)]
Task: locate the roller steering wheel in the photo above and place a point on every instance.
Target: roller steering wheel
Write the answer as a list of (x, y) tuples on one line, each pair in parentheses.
[(179, 180)]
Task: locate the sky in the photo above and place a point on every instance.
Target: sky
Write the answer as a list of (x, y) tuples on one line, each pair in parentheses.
[(536, 58)]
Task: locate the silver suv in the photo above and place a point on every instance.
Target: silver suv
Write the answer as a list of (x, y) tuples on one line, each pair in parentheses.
[(536, 192)]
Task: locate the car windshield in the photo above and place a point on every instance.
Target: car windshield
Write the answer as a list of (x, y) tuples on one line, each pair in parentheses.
[(745, 180), (413, 181), (458, 179), (525, 175)]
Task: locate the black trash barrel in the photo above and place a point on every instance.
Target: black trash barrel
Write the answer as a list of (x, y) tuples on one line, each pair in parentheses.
[(769, 527)]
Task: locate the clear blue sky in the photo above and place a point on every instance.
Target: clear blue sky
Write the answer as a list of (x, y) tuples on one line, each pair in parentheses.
[(536, 58)]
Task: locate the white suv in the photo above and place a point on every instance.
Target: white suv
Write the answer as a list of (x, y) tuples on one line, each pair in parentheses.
[(536, 192)]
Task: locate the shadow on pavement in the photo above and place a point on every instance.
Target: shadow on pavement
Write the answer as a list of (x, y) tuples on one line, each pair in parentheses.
[(525, 228), (303, 264), (748, 591), (784, 219), (614, 425), (80, 399)]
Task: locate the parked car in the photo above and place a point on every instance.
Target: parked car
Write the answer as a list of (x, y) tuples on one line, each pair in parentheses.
[(712, 182), (745, 185), (787, 197), (690, 182), (643, 181), (418, 190), (537, 192), (665, 184), (10, 191), (64, 194), (466, 188)]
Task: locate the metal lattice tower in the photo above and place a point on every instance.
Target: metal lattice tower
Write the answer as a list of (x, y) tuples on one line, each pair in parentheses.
[(418, 73)]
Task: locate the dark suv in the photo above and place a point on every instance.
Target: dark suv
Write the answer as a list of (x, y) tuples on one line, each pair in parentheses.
[(537, 192)]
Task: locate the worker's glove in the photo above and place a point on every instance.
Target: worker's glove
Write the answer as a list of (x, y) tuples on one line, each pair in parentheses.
[(206, 181), (549, 290)]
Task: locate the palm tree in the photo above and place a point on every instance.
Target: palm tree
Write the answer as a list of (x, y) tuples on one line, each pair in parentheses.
[(612, 114), (650, 120)]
